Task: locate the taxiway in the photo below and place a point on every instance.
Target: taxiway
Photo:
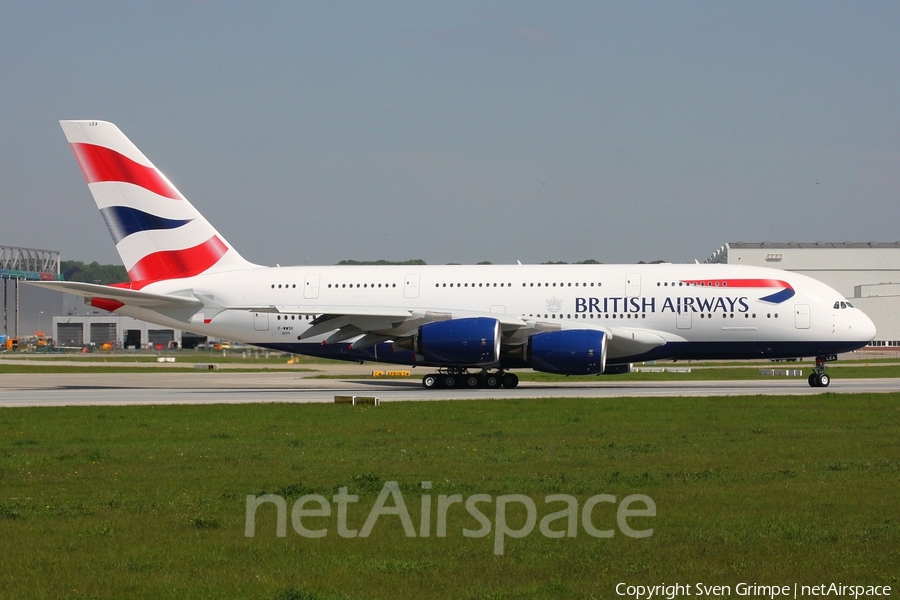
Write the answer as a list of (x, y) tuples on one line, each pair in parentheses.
[(86, 389)]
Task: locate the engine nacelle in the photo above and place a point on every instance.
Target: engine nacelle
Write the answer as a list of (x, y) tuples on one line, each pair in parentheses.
[(568, 352), (466, 342)]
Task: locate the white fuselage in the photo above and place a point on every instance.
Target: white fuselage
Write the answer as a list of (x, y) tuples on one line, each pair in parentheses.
[(708, 307)]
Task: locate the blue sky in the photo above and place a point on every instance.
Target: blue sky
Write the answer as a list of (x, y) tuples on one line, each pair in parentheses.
[(464, 131)]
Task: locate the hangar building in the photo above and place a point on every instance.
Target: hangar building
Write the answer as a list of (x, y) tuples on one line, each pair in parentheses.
[(868, 274), (74, 331)]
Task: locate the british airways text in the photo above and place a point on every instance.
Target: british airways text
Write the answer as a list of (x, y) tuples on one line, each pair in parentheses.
[(678, 304)]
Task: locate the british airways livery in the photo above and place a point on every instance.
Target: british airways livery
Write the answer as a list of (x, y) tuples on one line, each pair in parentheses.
[(471, 324)]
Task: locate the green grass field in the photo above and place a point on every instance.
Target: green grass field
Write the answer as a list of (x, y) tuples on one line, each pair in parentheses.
[(149, 501)]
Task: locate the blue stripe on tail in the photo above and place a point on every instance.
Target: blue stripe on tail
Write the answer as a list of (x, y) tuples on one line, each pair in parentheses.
[(123, 221)]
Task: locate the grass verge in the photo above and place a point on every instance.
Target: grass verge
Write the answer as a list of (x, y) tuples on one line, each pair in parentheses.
[(149, 501)]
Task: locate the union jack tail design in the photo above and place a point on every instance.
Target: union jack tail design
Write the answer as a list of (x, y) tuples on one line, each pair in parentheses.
[(159, 235)]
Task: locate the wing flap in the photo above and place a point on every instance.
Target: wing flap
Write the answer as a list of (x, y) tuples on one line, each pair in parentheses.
[(350, 311)]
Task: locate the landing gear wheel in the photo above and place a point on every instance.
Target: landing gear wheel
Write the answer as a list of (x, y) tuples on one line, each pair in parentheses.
[(510, 381), (818, 377), (472, 382), (819, 380), (449, 381), (492, 382), (429, 382)]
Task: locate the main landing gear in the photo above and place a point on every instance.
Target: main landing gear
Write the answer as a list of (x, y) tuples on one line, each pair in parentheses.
[(461, 378), (819, 378)]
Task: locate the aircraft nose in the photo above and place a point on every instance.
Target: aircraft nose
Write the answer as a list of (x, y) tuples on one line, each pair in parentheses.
[(864, 327)]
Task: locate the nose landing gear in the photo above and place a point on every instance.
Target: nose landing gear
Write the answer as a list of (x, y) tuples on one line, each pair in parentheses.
[(819, 378)]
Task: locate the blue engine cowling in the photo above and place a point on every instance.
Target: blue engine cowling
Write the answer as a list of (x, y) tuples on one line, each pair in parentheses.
[(466, 342), (568, 352)]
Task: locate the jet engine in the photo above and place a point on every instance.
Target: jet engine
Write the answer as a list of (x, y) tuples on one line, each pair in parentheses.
[(465, 342), (568, 352)]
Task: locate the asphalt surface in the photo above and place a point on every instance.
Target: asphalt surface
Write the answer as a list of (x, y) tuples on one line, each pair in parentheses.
[(52, 389)]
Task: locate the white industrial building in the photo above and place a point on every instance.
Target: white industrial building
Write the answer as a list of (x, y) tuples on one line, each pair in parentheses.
[(868, 274), (119, 332)]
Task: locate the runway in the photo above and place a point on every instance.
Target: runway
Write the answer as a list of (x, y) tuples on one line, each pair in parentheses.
[(84, 389)]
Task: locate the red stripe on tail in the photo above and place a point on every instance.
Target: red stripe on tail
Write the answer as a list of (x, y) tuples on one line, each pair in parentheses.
[(103, 164), (175, 264)]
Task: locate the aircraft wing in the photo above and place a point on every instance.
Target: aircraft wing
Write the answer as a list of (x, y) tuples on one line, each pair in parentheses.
[(394, 322), (372, 325)]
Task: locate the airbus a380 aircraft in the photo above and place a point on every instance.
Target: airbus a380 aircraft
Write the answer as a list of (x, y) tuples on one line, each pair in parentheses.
[(472, 324)]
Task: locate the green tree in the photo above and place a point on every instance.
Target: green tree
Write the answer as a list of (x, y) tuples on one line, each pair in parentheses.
[(75, 270), (414, 261)]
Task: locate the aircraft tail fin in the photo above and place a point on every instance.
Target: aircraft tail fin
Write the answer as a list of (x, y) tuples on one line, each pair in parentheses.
[(159, 234)]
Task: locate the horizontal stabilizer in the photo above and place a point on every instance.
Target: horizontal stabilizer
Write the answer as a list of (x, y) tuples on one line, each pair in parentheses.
[(124, 296)]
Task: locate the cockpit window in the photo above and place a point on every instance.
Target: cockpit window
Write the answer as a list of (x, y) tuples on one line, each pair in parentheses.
[(837, 305), (843, 305), (849, 305)]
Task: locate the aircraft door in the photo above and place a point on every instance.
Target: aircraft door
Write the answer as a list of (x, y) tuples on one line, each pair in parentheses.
[(633, 285), (411, 287), (801, 316), (683, 319), (311, 287), (261, 321)]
